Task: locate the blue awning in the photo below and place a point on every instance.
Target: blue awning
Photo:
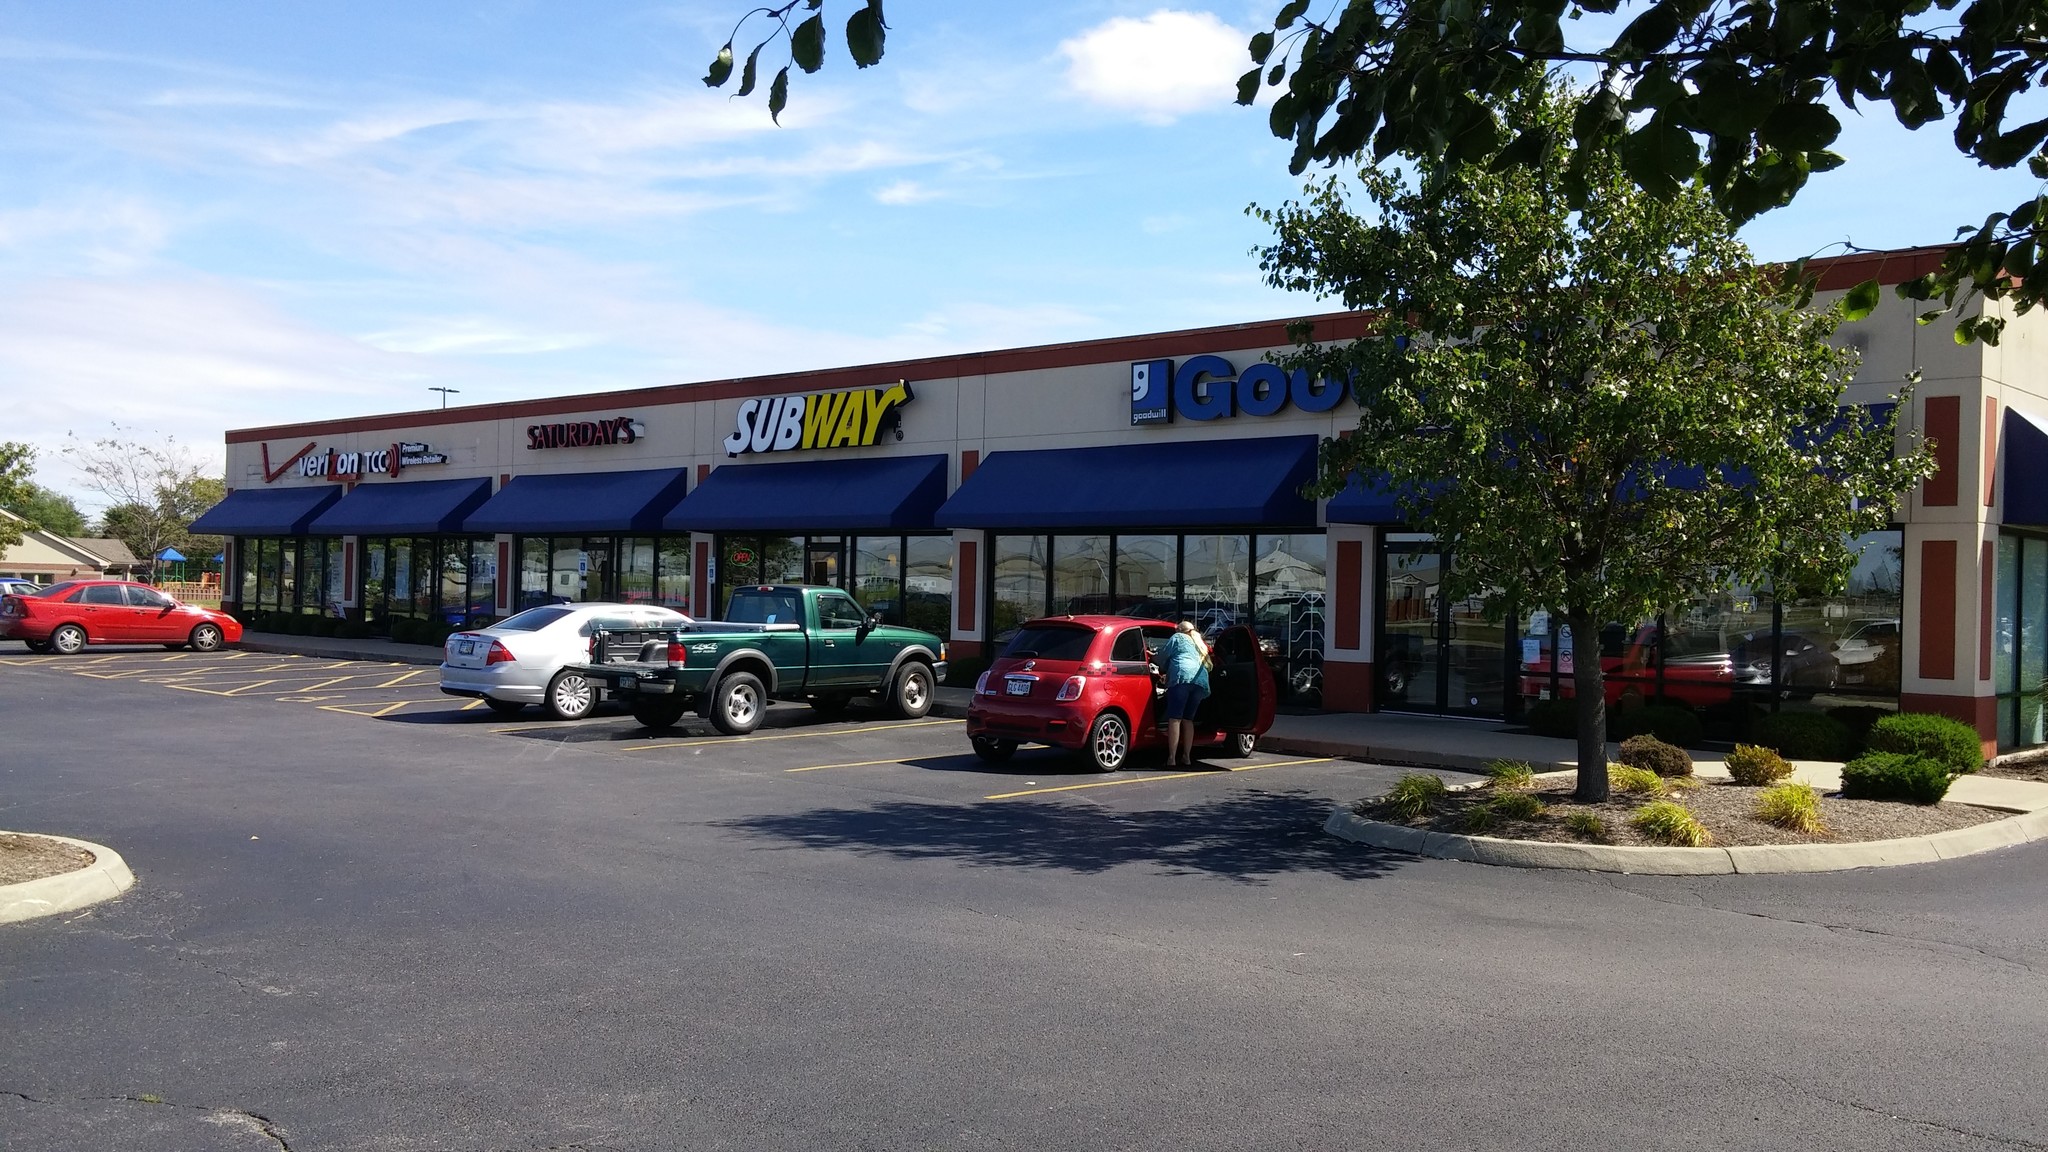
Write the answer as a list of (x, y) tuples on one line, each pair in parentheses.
[(815, 495), (1161, 484), (1364, 501), (171, 555), (403, 507), (2025, 475), (267, 511), (581, 502)]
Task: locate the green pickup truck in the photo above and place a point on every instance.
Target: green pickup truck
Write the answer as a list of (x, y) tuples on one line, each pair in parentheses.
[(777, 642)]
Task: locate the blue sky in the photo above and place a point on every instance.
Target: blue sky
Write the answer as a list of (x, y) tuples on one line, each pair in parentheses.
[(219, 215)]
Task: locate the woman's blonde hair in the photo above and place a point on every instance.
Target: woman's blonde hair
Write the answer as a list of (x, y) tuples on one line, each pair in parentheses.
[(1187, 628)]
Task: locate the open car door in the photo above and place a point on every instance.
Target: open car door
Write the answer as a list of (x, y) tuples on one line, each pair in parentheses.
[(1241, 688)]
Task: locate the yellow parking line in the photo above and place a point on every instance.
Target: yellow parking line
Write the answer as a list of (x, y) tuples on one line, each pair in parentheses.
[(121, 675), (395, 681), (1151, 779), (857, 764), (248, 687), (191, 688), (787, 735)]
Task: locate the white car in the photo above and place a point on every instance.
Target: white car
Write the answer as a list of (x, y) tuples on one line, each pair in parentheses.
[(519, 660)]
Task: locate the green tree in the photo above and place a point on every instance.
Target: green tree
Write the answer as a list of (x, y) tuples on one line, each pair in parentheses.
[(154, 489), (48, 510), (17, 463), (1629, 411), (1734, 95)]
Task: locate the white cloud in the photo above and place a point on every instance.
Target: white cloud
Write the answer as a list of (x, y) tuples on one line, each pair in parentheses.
[(472, 335), (1161, 67), (102, 231), (904, 192)]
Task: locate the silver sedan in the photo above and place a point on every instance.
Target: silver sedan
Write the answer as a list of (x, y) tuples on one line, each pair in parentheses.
[(520, 660)]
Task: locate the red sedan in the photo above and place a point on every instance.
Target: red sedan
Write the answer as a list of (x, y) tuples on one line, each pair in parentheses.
[(1090, 684), (66, 617)]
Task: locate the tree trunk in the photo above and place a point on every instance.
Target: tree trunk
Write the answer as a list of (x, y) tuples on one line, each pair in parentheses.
[(1589, 685)]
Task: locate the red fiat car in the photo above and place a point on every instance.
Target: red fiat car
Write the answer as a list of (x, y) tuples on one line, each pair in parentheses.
[(1091, 684), (66, 617)]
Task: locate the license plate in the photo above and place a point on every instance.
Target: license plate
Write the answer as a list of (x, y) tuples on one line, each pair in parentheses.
[(629, 681), (1017, 687), (466, 647)]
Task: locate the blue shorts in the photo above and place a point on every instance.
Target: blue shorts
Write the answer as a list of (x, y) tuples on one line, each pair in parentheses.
[(1183, 699)]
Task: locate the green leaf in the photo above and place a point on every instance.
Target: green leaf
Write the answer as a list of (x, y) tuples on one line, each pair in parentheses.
[(1290, 13), (721, 67), (807, 44), (1648, 34), (1861, 301), (1800, 128), (1261, 47), (865, 34), (1660, 156), (1248, 87), (1930, 316), (747, 71), (778, 95)]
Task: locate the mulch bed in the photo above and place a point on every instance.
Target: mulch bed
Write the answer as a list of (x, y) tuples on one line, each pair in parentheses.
[(34, 857), (2035, 770), (1724, 808)]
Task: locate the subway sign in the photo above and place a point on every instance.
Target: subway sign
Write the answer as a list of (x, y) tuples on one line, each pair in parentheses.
[(1208, 388), (853, 417)]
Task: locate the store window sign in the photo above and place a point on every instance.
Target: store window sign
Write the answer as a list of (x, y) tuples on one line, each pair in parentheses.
[(335, 464), (850, 418), (1210, 388)]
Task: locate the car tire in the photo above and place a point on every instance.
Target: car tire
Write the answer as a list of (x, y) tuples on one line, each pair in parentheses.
[(658, 714), (830, 705), (39, 647), (993, 751), (1241, 744), (1109, 742), (910, 697), (172, 647), (738, 703), (206, 638), (570, 696), (504, 707), (67, 640)]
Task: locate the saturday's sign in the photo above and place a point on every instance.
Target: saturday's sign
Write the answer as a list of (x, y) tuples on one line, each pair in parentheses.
[(585, 433), (846, 419)]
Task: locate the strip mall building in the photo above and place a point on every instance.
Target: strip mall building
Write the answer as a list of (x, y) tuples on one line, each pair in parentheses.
[(1153, 475)]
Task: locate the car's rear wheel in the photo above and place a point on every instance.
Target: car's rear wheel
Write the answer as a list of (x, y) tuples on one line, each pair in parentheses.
[(504, 707), (206, 638), (993, 751), (68, 640), (658, 714), (911, 696), (1109, 742), (37, 646), (738, 703), (570, 696), (1241, 744)]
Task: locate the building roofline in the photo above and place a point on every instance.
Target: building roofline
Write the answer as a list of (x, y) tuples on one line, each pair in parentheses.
[(1835, 273)]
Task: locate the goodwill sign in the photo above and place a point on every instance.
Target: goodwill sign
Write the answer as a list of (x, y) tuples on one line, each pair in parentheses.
[(845, 419), (1209, 388)]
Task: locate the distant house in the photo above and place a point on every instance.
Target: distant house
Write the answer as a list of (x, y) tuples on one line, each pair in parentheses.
[(46, 557)]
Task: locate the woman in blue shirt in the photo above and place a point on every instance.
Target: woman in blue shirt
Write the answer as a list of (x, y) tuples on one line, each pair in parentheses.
[(1185, 659)]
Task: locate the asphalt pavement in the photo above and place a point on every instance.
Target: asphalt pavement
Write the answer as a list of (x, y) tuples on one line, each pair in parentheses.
[(371, 918)]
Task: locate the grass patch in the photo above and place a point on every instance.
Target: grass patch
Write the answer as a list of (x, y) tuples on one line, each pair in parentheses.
[(1634, 781), (1791, 806), (1415, 795), (1587, 826), (1518, 805), (1511, 774), (1668, 822), (1481, 818)]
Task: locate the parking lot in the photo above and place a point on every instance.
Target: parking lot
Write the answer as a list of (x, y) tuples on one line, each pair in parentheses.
[(928, 758)]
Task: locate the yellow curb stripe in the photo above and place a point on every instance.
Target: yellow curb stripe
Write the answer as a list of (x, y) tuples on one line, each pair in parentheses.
[(1151, 779), (788, 735), (856, 764)]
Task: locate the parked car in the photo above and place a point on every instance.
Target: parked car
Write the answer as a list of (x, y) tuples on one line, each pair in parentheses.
[(1858, 654), (524, 659), (778, 642), (1700, 667), (1091, 684), (64, 618), (19, 588)]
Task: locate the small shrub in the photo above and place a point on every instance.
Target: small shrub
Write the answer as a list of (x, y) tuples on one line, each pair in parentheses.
[(1668, 822), (1480, 818), (1683, 784), (1754, 767), (1634, 781), (1792, 806), (1671, 723), (1414, 796), (1654, 754), (1518, 805), (1510, 775), (1804, 736), (1951, 742), (1552, 718), (1858, 718), (1587, 826), (1895, 776)]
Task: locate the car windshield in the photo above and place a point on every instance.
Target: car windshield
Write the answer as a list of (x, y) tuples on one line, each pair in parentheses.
[(1051, 642), (531, 620), (53, 589)]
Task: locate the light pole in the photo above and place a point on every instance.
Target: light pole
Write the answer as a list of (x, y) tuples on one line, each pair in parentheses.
[(444, 394)]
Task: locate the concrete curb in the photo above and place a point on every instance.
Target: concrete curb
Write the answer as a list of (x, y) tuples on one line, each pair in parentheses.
[(1396, 757), (430, 656), (103, 879), (1348, 825)]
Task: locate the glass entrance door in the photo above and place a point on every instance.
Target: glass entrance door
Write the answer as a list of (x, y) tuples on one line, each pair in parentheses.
[(822, 561), (1434, 654)]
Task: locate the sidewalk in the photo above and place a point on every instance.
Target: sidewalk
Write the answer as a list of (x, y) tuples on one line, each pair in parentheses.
[(1380, 738)]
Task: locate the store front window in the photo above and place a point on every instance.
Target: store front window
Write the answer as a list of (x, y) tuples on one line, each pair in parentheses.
[(448, 579), (904, 579), (582, 569), (2019, 643)]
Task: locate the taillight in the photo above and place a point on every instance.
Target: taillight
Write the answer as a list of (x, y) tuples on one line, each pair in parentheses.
[(499, 654), (1071, 690), (981, 685), (677, 654)]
